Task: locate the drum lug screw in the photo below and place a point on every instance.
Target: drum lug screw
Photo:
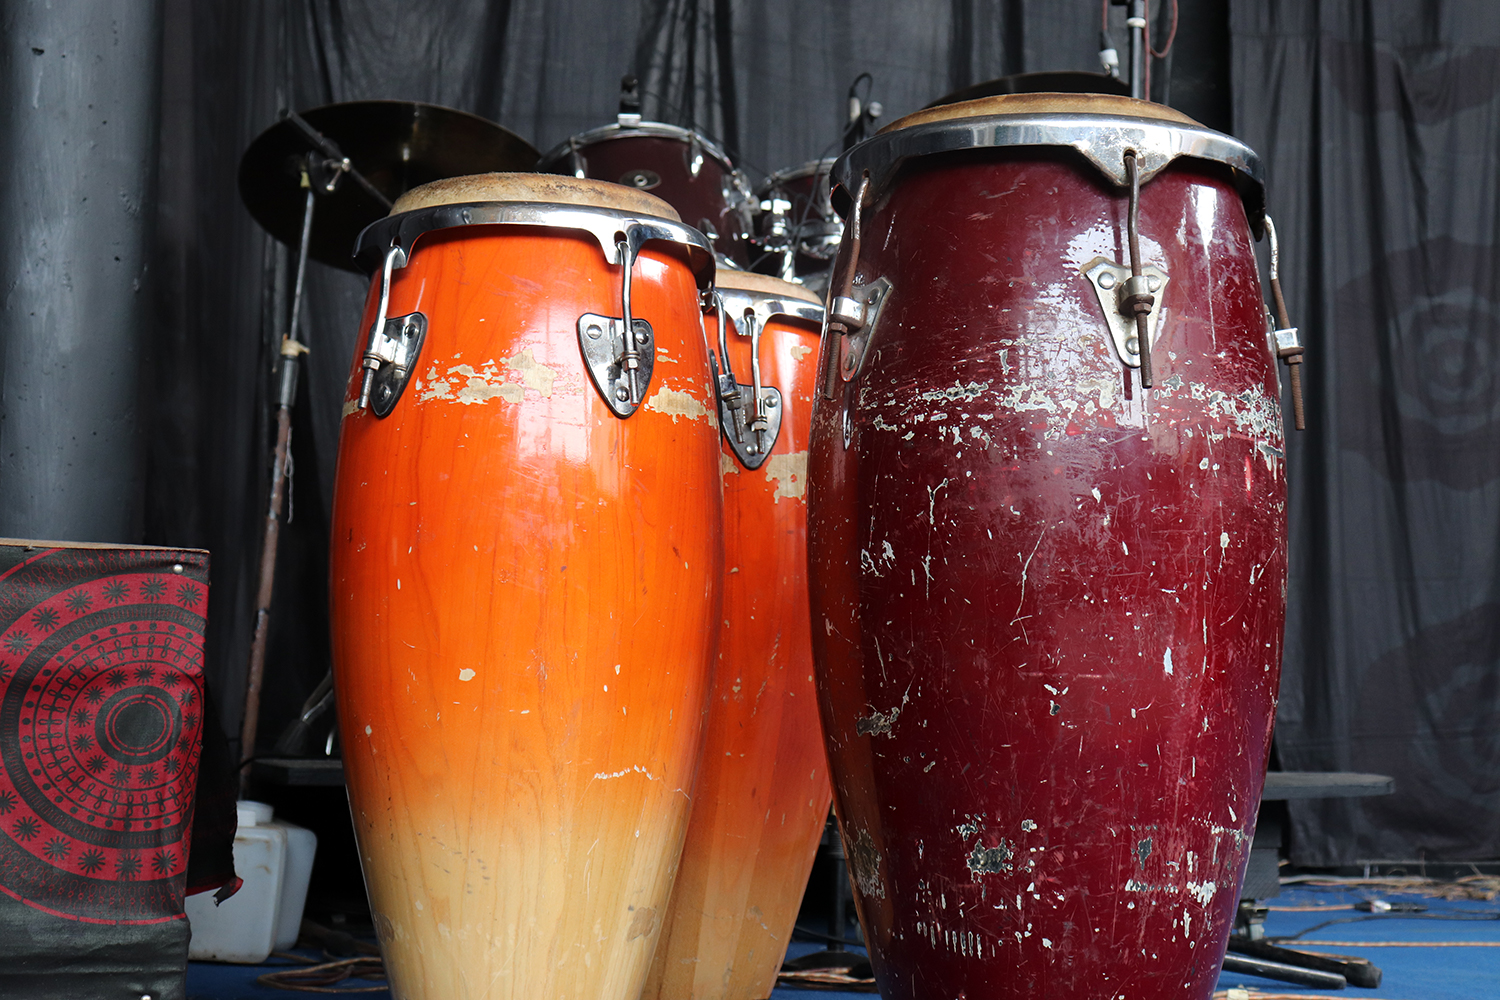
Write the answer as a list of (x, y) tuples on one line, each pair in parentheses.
[(749, 415), (601, 339), (1113, 285)]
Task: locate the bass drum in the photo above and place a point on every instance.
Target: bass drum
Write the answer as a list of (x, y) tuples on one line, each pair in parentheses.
[(762, 796), (1047, 600), (684, 168), (526, 578)]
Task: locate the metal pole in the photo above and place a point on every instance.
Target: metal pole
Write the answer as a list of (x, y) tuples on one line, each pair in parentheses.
[(77, 208), (291, 350), (1136, 22)]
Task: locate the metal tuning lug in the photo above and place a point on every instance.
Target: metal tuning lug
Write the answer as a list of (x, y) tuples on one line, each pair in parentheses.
[(858, 312), (620, 354), (392, 347), (750, 415), (400, 345), (602, 339), (1119, 295)]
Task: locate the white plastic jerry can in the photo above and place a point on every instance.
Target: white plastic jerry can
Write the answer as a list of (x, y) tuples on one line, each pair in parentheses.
[(274, 858)]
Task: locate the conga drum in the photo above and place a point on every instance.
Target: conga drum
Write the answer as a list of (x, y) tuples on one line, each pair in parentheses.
[(762, 795), (526, 579), (1047, 599), (684, 168)]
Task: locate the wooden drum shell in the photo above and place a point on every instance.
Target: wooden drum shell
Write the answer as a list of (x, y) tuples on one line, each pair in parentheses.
[(1047, 618), (762, 795), (525, 594)]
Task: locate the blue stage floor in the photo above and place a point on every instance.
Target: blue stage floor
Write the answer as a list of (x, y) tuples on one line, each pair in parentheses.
[(1450, 953)]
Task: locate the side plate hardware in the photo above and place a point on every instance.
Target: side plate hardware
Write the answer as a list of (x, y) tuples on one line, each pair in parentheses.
[(602, 340), (398, 346), (1111, 283), (869, 297), (751, 444)]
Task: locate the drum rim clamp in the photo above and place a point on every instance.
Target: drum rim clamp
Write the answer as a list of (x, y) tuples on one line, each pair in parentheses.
[(1130, 296), (750, 437), (620, 235)]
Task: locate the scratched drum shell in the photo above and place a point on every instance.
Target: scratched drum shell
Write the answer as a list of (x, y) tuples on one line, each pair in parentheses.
[(1047, 603), (762, 795), (525, 590)]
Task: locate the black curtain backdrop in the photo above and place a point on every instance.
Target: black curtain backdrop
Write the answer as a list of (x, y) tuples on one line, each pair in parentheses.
[(1379, 133), (1380, 126)]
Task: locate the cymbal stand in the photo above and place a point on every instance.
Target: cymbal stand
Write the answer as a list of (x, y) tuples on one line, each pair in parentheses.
[(322, 172)]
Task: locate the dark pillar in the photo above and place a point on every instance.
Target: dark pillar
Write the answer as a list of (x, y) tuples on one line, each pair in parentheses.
[(79, 114)]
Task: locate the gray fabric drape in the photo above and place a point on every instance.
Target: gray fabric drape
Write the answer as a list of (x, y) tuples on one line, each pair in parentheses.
[(1380, 126)]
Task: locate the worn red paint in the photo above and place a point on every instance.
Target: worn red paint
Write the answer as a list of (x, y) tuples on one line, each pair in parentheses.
[(1047, 615)]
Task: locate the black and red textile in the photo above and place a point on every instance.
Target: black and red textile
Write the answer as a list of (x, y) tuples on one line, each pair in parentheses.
[(101, 719)]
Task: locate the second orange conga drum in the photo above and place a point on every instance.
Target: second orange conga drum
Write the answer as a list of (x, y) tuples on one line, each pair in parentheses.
[(763, 791), (526, 566)]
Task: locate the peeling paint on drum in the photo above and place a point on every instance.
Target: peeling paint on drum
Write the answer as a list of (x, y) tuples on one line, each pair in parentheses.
[(1049, 602)]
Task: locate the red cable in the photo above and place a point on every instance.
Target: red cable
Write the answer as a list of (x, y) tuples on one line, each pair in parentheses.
[(1171, 35)]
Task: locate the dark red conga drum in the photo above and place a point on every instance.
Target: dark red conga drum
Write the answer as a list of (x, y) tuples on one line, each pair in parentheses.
[(1047, 600)]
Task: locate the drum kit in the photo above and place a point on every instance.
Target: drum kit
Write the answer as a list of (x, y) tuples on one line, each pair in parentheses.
[(968, 516)]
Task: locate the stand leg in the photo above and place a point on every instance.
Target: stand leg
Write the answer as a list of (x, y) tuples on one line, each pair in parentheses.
[(286, 397)]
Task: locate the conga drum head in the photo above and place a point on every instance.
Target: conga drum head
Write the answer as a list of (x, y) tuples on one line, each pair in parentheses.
[(1046, 546), (766, 285), (681, 166), (550, 189), (526, 573)]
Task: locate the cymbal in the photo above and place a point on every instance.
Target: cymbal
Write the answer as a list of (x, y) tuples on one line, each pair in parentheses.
[(1059, 82), (396, 145)]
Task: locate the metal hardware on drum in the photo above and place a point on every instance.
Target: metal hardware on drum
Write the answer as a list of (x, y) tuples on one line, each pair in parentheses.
[(603, 342), (398, 346), (864, 303), (380, 347), (751, 415), (619, 359), (1110, 281), (1288, 342), (1136, 298), (603, 225), (1102, 139), (841, 290)]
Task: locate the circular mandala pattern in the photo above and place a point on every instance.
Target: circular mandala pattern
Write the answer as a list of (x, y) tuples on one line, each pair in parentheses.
[(101, 685)]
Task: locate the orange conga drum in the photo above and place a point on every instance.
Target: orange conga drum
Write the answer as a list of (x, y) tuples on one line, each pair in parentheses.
[(763, 791), (526, 567)]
